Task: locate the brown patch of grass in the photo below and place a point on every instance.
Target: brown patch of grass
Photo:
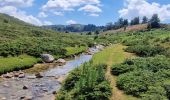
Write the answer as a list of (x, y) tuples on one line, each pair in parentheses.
[(128, 29)]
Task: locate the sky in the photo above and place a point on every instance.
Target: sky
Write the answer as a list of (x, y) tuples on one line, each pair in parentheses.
[(98, 12)]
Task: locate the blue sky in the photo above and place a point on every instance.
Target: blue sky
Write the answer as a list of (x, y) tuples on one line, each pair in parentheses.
[(99, 12)]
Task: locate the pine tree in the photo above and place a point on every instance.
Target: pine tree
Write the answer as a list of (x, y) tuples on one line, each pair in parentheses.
[(155, 21), (145, 20)]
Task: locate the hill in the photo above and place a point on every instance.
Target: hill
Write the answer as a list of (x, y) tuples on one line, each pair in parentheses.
[(75, 28), (129, 28), (18, 37), (25, 42)]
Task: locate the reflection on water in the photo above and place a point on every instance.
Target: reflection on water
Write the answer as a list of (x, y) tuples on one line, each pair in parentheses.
[(70, 65)]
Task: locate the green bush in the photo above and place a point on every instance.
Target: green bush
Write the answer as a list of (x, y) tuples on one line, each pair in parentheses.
[(142, 76), (146, 50), (136, 82), (155, 93), (86, 83)]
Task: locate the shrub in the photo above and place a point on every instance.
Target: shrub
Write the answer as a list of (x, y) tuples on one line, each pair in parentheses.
[(120, 69), (144, 77), (86, 83), (155, 93), (136, 82), (146, 50)]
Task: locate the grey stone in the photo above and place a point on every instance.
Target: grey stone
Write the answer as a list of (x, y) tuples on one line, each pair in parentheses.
[(61, 61), (47, 58)]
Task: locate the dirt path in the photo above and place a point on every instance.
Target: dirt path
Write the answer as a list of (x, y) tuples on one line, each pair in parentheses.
[(117, 56)]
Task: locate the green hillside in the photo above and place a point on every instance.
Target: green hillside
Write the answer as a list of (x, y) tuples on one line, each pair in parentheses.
[(19, 38)]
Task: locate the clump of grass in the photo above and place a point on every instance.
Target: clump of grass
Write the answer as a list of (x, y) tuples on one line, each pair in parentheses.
[(75, 50), (16, 63), (86, 83)]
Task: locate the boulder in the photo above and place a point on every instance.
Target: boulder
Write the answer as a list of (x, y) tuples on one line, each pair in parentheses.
[(61, 61), (3, 98), (100, 47), (16, 74), (47, 58), (8, 75), (54, 92), (25, 87), (38, 75), (21, 75), (26, 98), (5, 85)]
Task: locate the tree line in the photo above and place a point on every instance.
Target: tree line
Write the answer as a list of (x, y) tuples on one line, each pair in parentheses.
[(153, 22)]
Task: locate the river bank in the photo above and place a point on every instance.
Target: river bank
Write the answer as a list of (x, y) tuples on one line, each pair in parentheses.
[(24, 61), (40, 88)]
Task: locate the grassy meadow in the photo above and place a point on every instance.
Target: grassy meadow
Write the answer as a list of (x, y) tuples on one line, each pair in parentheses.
[(17, 63)]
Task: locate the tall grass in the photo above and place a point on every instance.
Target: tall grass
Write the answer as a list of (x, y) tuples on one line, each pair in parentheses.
[(86, 83), (75, 50)]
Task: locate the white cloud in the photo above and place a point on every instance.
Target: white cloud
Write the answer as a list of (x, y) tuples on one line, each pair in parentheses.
[(90, 9), (69, 5), (13, 11), (94, 15), (42, 15), (141, 8), (47, 23), (16, 3), (71, 22), (58, 13), (11, 7)]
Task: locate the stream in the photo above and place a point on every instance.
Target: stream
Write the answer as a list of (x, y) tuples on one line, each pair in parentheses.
[(42, 88)]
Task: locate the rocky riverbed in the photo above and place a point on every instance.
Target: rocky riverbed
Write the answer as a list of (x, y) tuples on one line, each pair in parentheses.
[(41, 86)]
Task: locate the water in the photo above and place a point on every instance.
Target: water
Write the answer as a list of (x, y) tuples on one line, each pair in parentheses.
[(41, 89)]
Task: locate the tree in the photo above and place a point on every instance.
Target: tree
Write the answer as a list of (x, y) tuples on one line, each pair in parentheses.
[(135, 21), (155, 21), (89, 33), (121, 22), (89, 27), (132, 22), (125, 23), (144, 20), (97, 33), (109, 26)]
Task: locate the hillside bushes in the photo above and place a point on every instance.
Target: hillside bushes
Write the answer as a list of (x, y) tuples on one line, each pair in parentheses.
[(146, 50), (144, 77), (36, 46), (86, 83)]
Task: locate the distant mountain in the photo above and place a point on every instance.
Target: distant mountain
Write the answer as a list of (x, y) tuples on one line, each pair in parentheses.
[(75, 28)]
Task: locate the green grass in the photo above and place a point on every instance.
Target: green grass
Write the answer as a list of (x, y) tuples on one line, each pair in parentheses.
[(75, 50), (16, 63), (116, 53), (113, 55)]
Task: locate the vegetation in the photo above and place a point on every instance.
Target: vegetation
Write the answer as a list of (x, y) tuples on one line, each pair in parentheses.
[(75, 50), (75, 28), (146, 77), (86, 83), (141, 76), (19, 38), (31, 40), (101, 91), (16, 63)]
